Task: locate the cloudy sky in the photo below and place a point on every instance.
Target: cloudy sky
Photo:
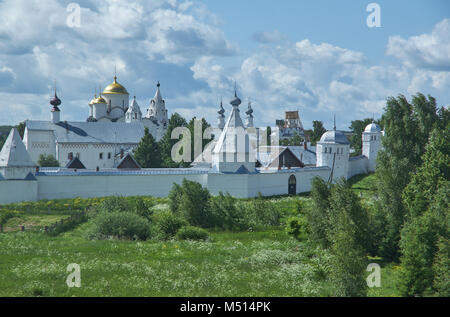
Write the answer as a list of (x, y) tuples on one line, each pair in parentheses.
[(319, 57)]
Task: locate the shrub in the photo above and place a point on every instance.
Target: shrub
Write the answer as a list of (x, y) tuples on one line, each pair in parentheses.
[(142, 207), (226, 214), (192, 233), (166, 224), (296, 227), (192, 201), (120, 225), (5, 216), (114, 203)]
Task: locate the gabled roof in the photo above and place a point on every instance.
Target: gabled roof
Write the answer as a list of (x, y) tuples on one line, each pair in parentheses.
[(128, 162), (242, 170), (14, 152), (75, 163)]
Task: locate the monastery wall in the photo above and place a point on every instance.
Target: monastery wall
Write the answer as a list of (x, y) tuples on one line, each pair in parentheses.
[(12, 191), (357, 165), (86, 186)]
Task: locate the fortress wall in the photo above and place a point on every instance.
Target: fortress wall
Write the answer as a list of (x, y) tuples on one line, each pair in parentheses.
[(53, 187), (357, 166), (12, 191)]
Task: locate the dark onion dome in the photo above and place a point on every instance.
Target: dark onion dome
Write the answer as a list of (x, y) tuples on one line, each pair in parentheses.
[(221, 110), (55, 101), (236, 101), (249, 112)]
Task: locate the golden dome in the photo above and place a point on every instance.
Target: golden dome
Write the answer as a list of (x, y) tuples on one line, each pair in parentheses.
[(115, 88), (93, 100), (100, 99)]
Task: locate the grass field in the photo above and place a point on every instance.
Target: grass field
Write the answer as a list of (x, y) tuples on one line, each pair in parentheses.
[(262, 263)]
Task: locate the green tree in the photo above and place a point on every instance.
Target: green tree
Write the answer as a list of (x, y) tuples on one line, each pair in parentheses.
[(420, 192), (191, 201), (295, 140), (318, 131), (21, 128), (418, 246), (348, 237), (426, 198), (147, 152), (47, 161), (407, 126), (166, 143), (441, 268), (318, 215)]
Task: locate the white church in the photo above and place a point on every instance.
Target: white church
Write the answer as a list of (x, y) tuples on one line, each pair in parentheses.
[(114, 125), (98, 160)]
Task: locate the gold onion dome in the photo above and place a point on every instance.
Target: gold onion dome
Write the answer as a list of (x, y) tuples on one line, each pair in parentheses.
[(115, 88), (100, 99)]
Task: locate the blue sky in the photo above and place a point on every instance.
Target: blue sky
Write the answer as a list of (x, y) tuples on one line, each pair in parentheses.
[(319, 56)]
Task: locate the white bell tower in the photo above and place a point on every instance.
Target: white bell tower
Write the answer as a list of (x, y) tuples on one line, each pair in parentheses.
[(371, 140)]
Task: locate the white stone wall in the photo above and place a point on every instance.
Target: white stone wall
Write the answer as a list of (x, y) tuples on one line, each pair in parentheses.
[(53, 187), (268, 182), (12, 191), (357, 166)]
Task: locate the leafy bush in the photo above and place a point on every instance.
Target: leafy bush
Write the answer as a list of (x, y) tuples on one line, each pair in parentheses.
[(142, 207), (297, 227), (114, 203), (5, 216), (192, 233), (226, 213), (165, 225), (121, 225), (191, 201)]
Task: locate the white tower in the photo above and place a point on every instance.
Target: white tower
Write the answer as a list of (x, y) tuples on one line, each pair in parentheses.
[(99, 109), (371, 140), (157, 109), (333, 150), (233, 152), (134, 113), (221, 117), (249, 119)]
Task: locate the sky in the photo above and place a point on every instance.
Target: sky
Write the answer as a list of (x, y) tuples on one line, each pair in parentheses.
[(319, 57)]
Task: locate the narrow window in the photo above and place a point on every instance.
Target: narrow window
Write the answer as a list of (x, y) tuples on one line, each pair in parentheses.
[(109, 156), (100, 156)]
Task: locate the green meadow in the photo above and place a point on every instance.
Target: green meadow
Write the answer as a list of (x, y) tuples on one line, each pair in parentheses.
[(263, 261)]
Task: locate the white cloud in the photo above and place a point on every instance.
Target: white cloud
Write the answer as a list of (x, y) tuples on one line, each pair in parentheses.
[(429, 51)]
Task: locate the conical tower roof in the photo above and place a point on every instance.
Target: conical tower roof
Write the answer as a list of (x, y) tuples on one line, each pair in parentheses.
[(14, 152)]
